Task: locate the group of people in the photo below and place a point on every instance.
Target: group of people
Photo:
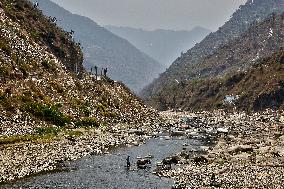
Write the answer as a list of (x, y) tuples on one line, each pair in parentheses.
[(103, 71)]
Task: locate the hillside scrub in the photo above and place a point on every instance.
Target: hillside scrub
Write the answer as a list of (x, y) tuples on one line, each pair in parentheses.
[(259, 88), (39, 85)]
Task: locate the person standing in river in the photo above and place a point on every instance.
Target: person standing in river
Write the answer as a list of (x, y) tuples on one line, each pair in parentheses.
[(128, 162)]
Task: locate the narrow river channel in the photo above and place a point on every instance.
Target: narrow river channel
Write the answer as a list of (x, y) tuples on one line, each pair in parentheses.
[(110, 172)]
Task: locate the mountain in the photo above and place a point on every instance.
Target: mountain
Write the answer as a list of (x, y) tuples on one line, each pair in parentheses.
[(256, 89), (163, 45), (239, 41), (40, 87), (104, 49)]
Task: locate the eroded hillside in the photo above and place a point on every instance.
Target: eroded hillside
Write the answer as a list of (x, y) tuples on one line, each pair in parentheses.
[(43, 82)]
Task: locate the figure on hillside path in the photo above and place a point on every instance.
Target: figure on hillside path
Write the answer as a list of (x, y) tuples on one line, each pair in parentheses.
[(36, 5), (105, 72)]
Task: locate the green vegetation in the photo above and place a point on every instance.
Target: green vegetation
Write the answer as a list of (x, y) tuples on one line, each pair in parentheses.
[(48, 113), (41, 134), (35, 35), (73, 133), (85, 110), (57, 86), (48, 131), (40, 28), (255, 89), (101, 108), (48, 64), (109, 114), (18, 139), (87, 122), (7, 102), (24, 69), (46, 134), (5, 47), (3, 71)]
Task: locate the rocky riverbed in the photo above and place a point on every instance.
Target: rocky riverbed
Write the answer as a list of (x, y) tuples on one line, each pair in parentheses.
[(249, 152), (24, 159)]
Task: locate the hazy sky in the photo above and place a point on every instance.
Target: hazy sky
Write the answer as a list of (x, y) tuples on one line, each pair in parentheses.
[(155, 14)]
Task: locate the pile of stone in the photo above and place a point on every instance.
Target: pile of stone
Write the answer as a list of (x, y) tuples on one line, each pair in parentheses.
[(249, 152)]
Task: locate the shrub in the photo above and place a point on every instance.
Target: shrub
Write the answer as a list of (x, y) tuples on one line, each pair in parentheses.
[(57, 86), (40, 134), (7, 103), (48, 64), (48, 113), (4, 46), (24, 69), (101, 108), (74, 133), (85, 110), (87, 122), (3, 71), (17, 139), (35, 35), (109, 114), (48, 131)]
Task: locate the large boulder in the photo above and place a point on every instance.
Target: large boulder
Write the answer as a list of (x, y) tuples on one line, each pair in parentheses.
[(240, 148)]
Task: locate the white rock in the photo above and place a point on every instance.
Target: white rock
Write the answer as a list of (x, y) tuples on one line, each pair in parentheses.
[(281, 119), (223, 130)]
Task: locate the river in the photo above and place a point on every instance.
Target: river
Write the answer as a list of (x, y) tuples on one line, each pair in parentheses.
[(110, 172)]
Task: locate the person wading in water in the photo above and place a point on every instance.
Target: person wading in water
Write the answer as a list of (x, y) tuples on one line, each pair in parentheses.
[(128, 162)]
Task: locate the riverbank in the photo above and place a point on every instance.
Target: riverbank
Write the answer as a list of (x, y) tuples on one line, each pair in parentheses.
[(30, 158), (249, 152)]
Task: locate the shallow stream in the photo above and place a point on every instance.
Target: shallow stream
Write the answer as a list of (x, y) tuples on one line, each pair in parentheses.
[(110, 172)]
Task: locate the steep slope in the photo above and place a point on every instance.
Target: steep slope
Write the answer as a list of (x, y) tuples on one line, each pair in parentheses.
[(104, 49), (259, 41), (259, 88), (162, 45), (247, 15), (39, 87), (239, 55)]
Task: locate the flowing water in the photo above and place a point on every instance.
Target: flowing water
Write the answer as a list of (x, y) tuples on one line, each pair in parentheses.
[(110, 172)]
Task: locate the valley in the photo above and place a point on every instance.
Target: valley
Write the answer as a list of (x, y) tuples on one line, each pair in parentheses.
[(82, 107)]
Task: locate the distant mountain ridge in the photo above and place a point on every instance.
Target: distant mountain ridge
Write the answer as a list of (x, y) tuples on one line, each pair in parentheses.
[(242, 41), (104, 49), (259, 41), (163, 45), (246, 16)]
